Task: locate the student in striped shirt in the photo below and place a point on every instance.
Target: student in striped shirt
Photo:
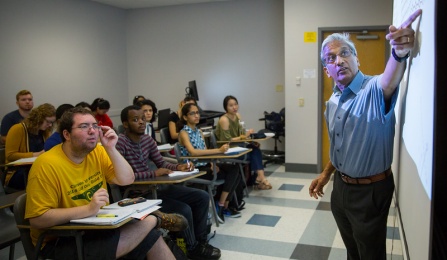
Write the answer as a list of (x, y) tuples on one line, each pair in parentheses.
[(141, 152)]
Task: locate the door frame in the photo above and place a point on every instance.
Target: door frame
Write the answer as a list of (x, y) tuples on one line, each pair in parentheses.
[(321, 31)]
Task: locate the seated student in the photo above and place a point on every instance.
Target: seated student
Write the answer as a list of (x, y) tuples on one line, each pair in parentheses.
[(138, 98), (230, 129), (149, 110), (24, 101), (192, 143), (25, 140), (84, 105), (100, 107), (55, 138), (139, 149), (69, 182), (175, 117)]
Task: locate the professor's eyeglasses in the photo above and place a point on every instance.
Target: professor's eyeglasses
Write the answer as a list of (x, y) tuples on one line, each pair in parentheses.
[(331, 58)]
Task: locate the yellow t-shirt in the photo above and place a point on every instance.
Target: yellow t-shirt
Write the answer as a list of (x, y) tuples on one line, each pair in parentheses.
[(56, 182)]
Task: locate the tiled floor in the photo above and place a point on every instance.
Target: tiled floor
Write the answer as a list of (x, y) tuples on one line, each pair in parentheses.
[(283, 223)]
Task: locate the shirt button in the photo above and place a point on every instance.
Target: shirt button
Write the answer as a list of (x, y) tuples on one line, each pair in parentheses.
[(338, 134)]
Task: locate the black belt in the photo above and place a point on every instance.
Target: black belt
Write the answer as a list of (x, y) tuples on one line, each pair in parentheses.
[(365, 180)]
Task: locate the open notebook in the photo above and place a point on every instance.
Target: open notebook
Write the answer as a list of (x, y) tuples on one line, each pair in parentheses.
[(116, 214)]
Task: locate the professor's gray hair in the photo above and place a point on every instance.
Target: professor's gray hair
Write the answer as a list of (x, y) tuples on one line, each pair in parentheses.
[(340, 37)]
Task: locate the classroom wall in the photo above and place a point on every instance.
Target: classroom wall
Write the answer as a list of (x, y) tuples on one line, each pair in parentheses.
[(229, 48), (63, 52)]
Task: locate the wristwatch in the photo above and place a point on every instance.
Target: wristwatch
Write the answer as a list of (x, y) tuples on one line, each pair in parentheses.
[(399, 59)]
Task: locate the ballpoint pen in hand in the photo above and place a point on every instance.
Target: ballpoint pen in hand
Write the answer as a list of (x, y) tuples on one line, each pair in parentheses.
[(189, 165)]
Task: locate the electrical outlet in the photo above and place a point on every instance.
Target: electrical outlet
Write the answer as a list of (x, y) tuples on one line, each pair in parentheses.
[(301, 102)]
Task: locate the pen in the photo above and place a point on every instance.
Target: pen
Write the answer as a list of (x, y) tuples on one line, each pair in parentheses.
[(106, 216)]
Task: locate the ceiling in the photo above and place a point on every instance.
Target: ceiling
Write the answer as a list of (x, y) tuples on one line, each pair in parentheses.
[(132, 4)]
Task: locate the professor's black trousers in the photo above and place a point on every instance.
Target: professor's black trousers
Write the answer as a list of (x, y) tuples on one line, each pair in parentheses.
[(361, 213)]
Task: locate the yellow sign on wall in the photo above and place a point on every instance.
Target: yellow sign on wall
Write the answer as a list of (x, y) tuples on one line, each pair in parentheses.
[(310, 36)]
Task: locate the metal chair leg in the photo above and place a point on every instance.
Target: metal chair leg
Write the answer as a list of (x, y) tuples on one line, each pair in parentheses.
[(210, 192)]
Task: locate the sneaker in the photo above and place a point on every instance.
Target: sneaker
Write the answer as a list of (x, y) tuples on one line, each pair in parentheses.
[(220, 215), (204, 251), (231, 213), (171, 222), (241, 206)]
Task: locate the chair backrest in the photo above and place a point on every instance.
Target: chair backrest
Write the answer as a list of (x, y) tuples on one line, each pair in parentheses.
[(177, 152), (274, 122), (121, 129), (2, 155), (163, 118), (213, 140), (2, 180), (165, 136), (19, 215)]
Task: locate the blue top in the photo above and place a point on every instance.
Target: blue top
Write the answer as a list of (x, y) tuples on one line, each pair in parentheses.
[(361, 129), (196, 139), (53, 140), (9, 120)]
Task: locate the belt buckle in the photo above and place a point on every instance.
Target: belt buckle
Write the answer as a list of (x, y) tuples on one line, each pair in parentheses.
[(344, 177)]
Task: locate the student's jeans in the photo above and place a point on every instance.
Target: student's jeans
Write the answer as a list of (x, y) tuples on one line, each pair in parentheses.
[(361, 213), (193, 204), (254, 157)]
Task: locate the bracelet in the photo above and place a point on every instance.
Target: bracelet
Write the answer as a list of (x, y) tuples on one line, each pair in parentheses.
[(399, 59)]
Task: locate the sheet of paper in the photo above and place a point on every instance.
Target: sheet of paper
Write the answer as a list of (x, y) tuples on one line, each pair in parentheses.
[(121, 214), (141, 215), (236, 150), (165, 147), (180, 173), (23, 161), (269, 134)]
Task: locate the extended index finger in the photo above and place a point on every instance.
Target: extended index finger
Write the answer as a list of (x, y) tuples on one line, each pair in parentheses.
[(411, 19)]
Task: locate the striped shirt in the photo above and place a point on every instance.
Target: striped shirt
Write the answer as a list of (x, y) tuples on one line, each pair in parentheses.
[(138, 155)]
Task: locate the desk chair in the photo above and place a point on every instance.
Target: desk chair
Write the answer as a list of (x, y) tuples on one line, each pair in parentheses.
[(165, 138), (240, 162), (2, 155), (32, 252), (274, 123), (210, 184), (9, 234), (121, 129), (5, 189)]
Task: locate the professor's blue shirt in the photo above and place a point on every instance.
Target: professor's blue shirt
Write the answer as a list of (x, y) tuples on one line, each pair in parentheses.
[(361, 130)]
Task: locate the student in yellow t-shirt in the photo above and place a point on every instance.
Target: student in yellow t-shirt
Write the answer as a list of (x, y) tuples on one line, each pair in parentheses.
[(69, 182)]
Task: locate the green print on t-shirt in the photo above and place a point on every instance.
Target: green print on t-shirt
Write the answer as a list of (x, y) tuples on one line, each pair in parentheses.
[(88, 194)]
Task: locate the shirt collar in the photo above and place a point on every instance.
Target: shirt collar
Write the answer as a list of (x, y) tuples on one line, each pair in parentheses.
[(355, 85)]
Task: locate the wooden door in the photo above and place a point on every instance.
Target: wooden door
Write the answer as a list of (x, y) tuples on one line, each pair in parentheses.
[(372, 56)]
